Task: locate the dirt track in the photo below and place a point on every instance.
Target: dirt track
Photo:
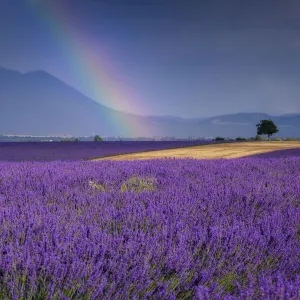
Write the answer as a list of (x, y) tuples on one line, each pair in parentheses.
[(228, 150)]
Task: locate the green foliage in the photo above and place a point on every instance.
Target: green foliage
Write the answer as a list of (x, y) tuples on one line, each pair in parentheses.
[(137, 185), (266, 127), (218, 138), (259, 138), (269, 262), (252, 138), (97, 186), (289, 139), (228, 282), (97, 138), (240, 139)]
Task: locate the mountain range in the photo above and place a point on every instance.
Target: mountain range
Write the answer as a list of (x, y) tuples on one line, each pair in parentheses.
[(37, 103)]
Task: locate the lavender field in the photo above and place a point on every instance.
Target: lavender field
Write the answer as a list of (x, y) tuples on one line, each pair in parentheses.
[(279, 154), (162, 229), (72, 151)]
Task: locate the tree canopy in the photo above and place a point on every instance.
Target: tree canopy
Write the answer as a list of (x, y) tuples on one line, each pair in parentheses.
[(97, 138), (266, 127)]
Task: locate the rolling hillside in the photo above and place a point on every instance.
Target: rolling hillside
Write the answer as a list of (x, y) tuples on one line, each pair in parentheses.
[(59, 109)]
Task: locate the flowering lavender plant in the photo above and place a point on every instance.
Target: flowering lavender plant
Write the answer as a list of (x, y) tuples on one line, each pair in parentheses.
[(161, 229)]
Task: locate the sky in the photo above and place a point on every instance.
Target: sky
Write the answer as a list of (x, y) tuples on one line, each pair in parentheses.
[(187, 58)]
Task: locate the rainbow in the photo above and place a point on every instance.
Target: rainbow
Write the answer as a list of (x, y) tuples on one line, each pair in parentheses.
[(92, 67)]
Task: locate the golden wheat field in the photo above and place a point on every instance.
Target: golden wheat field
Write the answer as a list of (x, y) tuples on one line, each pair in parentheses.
[(226, 150)]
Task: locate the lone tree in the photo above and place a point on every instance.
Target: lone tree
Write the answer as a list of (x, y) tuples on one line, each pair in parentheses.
[(97, 138), (266, 127)]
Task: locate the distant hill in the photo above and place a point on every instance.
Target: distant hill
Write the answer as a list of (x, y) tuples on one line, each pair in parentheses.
[(37, 103)]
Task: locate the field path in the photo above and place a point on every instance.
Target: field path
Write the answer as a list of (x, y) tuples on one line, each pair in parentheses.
[(226, 150)]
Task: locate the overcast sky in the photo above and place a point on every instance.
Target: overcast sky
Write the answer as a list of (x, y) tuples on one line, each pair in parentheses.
[(187, 58)]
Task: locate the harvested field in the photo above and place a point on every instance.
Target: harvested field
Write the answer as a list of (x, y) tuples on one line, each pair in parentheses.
[(226, 150)]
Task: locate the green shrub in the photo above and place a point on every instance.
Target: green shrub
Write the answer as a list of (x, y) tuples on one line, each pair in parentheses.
[(97, 186), (218, 138), (240, 139), (260, 138), (97, 138), (228, 282), (137, 184)]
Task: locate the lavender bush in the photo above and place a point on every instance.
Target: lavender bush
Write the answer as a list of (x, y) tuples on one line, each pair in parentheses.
[(162, 229)]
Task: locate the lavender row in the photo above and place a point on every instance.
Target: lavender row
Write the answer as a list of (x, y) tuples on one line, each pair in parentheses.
[(51, 151), (279, 154), (162, 229)]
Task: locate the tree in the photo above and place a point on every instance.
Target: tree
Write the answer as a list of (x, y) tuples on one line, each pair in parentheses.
[(266, 127), (97, 138)]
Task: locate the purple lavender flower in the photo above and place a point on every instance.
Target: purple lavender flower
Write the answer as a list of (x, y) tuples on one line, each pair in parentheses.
[(182, 229)]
